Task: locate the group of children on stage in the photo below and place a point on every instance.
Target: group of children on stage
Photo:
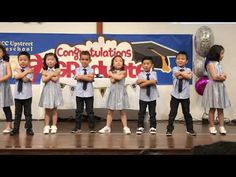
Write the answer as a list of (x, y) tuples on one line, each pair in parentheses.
[(215, 95)]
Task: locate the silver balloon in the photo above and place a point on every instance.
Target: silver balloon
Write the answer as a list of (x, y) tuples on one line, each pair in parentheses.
[(203, 40), (199, 66)]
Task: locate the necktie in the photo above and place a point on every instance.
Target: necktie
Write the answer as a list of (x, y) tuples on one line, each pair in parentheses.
[(84, 82), (180, 82), (20, 83), (148, 87)]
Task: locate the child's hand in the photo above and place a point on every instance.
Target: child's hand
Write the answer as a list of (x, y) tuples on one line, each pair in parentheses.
[(224, 75), (54, 74), (18, 70), (189, 72), (44, 72), (31, 70), (109, 74), (112, 80), (180, 77), (139, 81), (178, 74), (77, 77), (184, 75)]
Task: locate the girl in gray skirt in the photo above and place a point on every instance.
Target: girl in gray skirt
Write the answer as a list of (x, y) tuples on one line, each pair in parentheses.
[(51, 96), (215, 96), (6, 99), (117, 97)]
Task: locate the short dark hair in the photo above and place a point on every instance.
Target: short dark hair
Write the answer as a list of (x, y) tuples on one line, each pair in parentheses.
[(85, 52), (147, 58), (182, 53), (23, 53)]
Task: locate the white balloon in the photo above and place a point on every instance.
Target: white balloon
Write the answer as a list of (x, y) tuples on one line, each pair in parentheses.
[(199, 66), (203, 40)]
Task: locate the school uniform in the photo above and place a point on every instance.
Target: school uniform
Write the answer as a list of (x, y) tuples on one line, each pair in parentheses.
[(147, 97), (23, 100), (117, 98), (180, 96), (84, 95), (51, 96)]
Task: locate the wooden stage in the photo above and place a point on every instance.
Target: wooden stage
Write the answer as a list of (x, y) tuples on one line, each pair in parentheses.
[(115, 143)]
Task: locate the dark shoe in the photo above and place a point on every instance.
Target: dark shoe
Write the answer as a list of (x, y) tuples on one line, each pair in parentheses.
[(169, 132), (75, 130), (152, 131), (191, 132), (92, 131), (140, 131), (30, 132), (14, 132)]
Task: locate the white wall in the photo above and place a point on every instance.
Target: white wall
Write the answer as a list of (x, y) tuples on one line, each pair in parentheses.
[(224, 34), (72, 28)]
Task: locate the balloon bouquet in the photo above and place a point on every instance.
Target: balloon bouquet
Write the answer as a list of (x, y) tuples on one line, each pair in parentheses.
[(203, 41)]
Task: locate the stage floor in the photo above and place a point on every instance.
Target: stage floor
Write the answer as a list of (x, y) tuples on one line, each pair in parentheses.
[(66, 143)]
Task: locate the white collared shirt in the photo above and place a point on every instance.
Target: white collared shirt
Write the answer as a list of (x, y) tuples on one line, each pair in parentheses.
[(26, 89), (185, 89), (154, 94), (79, 87)]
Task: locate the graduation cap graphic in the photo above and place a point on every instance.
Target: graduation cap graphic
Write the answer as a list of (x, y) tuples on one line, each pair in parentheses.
[(158, 52)]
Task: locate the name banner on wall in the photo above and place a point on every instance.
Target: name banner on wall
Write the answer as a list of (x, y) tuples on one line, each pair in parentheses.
[(132, 48)]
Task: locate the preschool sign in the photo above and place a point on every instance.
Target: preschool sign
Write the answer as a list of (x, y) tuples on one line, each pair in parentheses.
[(132, 48)]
